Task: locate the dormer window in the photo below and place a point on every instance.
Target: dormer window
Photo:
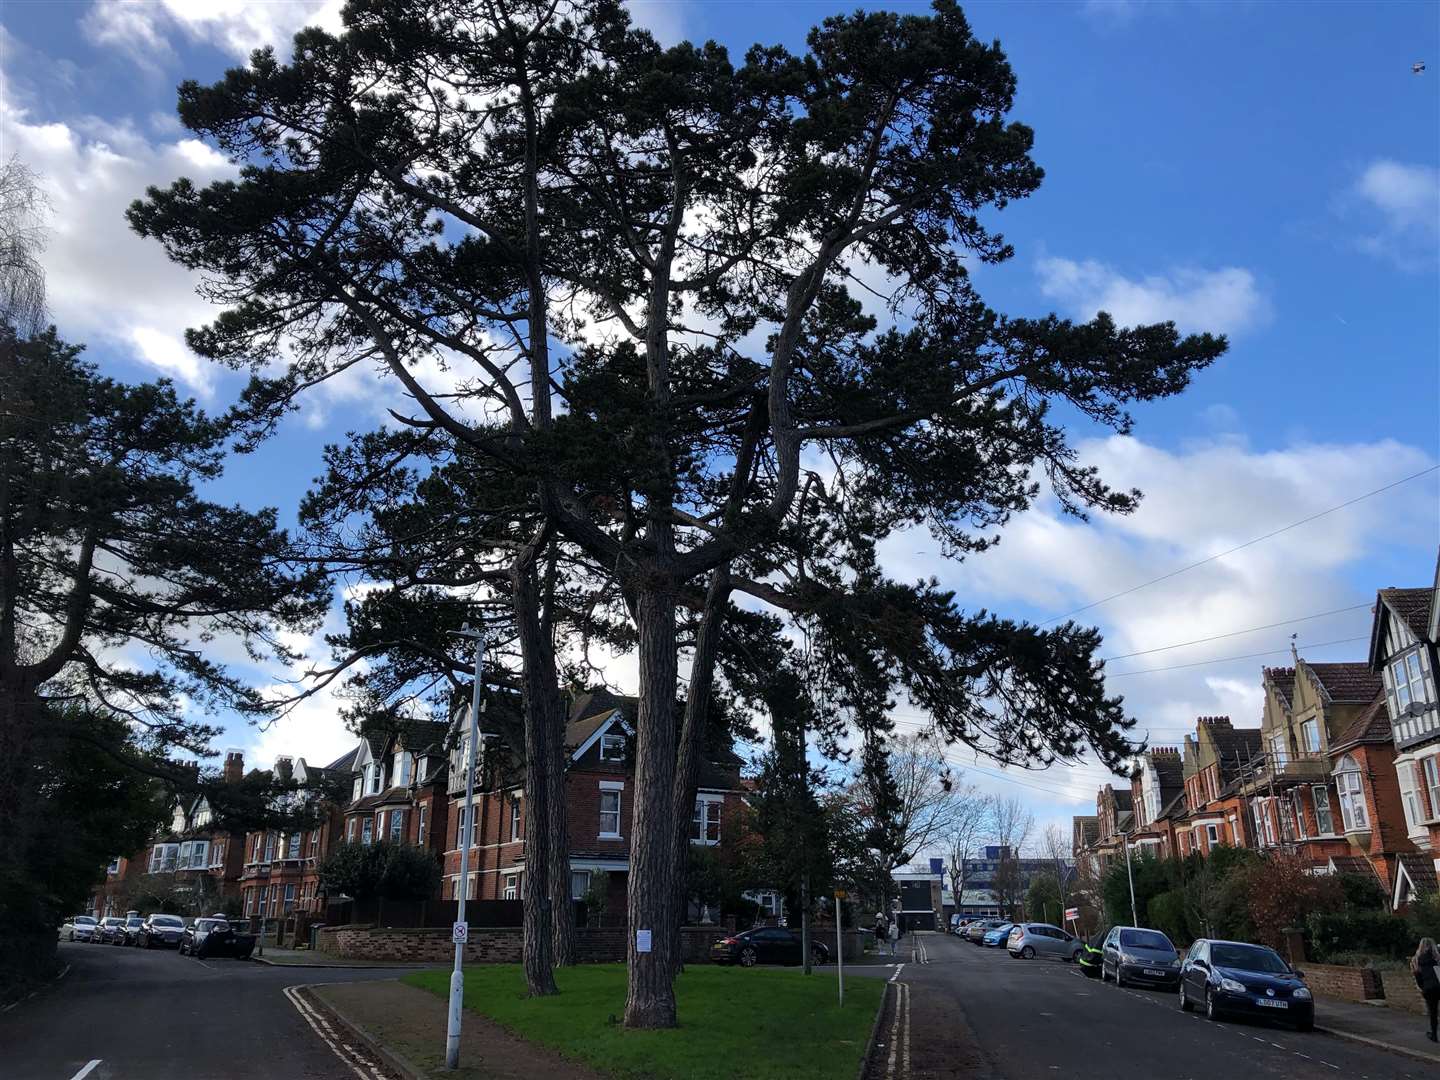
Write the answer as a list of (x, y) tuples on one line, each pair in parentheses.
[(355, 791), (401, 772), (612, 747), (372, 777)]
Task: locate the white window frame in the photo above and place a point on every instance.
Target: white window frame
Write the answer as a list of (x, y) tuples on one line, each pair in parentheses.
[(1212, 834), (396, 832), (513, 888), (270, 843), (1279, 749), (706, 820), (367, 831), (516, 832), (1319, 792), (580, 893), (350, 831), (610, 788), (1430, 778), (1351, 791), (287, 903), (402, 769), (357, 789), (421, 823), (422, 768), (314, 843), (612, 741), (1310, 735)]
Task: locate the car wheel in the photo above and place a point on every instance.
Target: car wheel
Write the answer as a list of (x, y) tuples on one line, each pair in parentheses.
[(1186, 1005), (1027, 953), (1211, 1013), (747, 957), (1075, 956)]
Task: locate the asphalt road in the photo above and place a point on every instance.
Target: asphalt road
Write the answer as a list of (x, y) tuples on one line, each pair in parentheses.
[(155, 1015), (976, 1013)]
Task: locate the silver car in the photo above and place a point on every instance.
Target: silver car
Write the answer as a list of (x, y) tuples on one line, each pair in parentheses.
[(80, 928), (1029, 940)]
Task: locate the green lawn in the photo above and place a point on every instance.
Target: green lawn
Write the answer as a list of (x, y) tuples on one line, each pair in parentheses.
[(734, 1023)]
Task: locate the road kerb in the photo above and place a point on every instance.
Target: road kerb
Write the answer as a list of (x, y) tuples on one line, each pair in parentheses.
[(38, 990), (875, 1030), (392, 1059), (1380, 1044)]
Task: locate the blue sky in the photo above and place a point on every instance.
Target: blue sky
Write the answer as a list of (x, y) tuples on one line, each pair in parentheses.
[(1266, 170)]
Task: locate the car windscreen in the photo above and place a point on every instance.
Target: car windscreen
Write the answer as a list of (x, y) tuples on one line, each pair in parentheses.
[(1248, 958), (135, 921), (1145, 939), (169, 922), (84, 920)]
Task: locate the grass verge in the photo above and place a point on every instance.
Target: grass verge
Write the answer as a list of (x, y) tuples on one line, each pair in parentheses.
[(756, 1024)]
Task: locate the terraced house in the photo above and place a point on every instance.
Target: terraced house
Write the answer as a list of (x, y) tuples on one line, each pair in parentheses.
[(1403, 641), (280, 878), (1215, 758)]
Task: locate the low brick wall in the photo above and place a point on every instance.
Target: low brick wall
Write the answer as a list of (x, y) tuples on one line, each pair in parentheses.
[(1401, 992), (1345, 983), (490, 945)]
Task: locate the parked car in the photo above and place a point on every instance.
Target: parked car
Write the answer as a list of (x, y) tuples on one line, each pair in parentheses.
[(1139, 956), (215, 936), (767, 945), (111, 931), (130, 932), (79, 927), (996, 936), (161, 930), (1232, 978), (977, 930), (1029, 940)]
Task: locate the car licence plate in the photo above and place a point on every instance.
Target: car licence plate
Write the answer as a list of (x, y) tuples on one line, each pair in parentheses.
[(1270, 1004), (1153, 972)]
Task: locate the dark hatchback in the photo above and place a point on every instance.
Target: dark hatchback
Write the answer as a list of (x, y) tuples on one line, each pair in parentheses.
[(1232, 978), (215, 936), (767, 945), (130, 932), (161, 931), (1135, 956)]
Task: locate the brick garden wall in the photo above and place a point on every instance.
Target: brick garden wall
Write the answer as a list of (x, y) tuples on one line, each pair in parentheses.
[(1345, 983), (488, 945)]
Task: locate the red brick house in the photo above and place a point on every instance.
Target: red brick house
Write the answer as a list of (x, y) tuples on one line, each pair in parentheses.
[(599, 793), (1157, 787), (1403, 640), (1114, 817), (278, 877), (1214, 760), (1362, 760)]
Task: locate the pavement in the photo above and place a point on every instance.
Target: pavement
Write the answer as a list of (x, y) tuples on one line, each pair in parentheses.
[(309, 958), (155, 1015), (960, 1010)]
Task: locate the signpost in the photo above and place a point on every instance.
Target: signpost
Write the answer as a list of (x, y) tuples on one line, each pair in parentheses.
[(460, 932), (1071, 914), (839, 947)]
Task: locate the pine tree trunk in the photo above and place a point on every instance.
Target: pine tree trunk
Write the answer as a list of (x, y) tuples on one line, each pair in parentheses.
[(562, 913), (539, 689), (692, 730), (650, 999)]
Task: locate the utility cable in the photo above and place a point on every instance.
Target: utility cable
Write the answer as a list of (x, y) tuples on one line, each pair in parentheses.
[(1227, 659), (1237, 633)]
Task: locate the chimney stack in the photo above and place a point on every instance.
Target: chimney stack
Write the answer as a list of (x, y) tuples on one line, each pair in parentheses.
[(234, 766)]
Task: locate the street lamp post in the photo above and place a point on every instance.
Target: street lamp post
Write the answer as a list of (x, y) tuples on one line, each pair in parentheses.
[(460, 932), (1129, 874)]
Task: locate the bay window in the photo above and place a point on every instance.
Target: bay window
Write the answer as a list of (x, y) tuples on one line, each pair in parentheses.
[(367, 831), (270, 840), (397, 826), (1430, 773), (1352, 795)]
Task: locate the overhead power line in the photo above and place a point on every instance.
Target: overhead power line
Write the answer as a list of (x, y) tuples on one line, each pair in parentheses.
[(1246, 544), (1237, 633), (1227, 659)]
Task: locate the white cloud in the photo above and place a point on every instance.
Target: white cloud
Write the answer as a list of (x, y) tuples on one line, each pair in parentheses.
[(666, 19), (1227, 300), (1201, 501), (1407, 200), (104, 282), (145, 30)]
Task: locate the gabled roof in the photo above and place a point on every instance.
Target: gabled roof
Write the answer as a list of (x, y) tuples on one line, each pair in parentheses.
[(1371, 726), (1347, 684), (1411, 606), (345, 763), (1419, 870), (1235, 747), (1177, 807), (1283, 681)]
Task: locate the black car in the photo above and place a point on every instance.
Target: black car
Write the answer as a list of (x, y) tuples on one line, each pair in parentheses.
[(130, 930), (110, 931), (214, 936), (159, 931), (767, 945), (1232, 978), (1140, 957)]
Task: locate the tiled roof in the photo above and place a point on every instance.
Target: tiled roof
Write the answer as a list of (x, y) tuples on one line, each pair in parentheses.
[(1352, 864), (1371, 726), (1282, 679), (1412, 605), (1124, 799), (344, 763), (1351, 683), (1420, 870), (1235, 747), (1176, 807)]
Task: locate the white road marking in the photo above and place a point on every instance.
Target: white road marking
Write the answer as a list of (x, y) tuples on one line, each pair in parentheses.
[(898, 968), (900, 1032), (352, 1057), (87, 1070)]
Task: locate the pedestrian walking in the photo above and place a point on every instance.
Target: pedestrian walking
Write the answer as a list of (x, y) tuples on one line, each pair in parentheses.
[(894, 936), (1423, 966)]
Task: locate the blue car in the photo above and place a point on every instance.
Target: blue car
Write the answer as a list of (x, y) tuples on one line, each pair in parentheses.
[(1232, 978), (998, 936)]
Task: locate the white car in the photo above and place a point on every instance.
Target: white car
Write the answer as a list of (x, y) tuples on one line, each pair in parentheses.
[(80, 928)]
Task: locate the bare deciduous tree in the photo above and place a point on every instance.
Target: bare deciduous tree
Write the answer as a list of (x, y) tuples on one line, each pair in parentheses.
[(22, 239)]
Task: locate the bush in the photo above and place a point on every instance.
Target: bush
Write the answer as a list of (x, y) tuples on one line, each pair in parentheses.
[(1167, 914), (1362, 892), (1424, 916), (389, 871), (1377, 933)]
